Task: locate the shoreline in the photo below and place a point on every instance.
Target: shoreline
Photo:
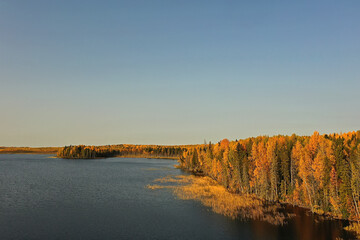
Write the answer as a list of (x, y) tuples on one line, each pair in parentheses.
[(29, 150), (326, 215), (352, 225), (26, 152), (234, 205)]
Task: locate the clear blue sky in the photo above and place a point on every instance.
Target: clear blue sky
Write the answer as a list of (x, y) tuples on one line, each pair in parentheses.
[(176, 72)]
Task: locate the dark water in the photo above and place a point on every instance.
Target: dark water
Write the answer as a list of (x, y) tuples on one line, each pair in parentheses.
[(48, 198)]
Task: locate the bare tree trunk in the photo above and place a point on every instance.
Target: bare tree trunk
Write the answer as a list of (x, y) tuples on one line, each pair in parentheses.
[(356, 207), (308, 191)]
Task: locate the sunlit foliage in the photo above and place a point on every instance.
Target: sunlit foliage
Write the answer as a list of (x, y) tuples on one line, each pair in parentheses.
[(320, 172)]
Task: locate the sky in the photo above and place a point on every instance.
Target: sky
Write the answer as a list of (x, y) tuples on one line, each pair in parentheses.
[(176, 72)]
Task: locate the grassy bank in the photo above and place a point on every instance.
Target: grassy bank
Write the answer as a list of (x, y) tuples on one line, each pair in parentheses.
[(215, 196)]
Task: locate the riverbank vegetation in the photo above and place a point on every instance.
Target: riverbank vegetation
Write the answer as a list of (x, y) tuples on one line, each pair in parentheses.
[(354, 227), (211, 194), (321, 172)]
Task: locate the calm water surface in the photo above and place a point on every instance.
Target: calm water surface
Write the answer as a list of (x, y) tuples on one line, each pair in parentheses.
[(49, 198)]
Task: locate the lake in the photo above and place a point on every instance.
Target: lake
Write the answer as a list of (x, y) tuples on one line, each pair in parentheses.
[(50, 198)]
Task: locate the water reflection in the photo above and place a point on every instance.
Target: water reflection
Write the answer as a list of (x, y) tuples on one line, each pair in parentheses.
[(303, 226)]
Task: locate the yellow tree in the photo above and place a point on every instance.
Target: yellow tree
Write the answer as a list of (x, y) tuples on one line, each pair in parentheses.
[(274, 166), (262, 169)]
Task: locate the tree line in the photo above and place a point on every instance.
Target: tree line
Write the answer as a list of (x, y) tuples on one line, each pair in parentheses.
[(89, 152), (320, 172)]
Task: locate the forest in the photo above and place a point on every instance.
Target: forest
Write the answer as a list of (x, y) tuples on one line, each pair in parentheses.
[(319, 172), (121, 150)]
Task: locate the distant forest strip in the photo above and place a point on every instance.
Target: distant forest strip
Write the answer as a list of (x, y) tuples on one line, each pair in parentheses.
[(39, 150), (320, 172), (122, 150)]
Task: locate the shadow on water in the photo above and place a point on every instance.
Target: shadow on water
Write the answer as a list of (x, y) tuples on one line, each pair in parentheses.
[(303, 225)]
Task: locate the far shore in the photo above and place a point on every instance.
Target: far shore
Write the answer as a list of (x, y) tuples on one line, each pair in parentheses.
[(54, 150), (29, 150)]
